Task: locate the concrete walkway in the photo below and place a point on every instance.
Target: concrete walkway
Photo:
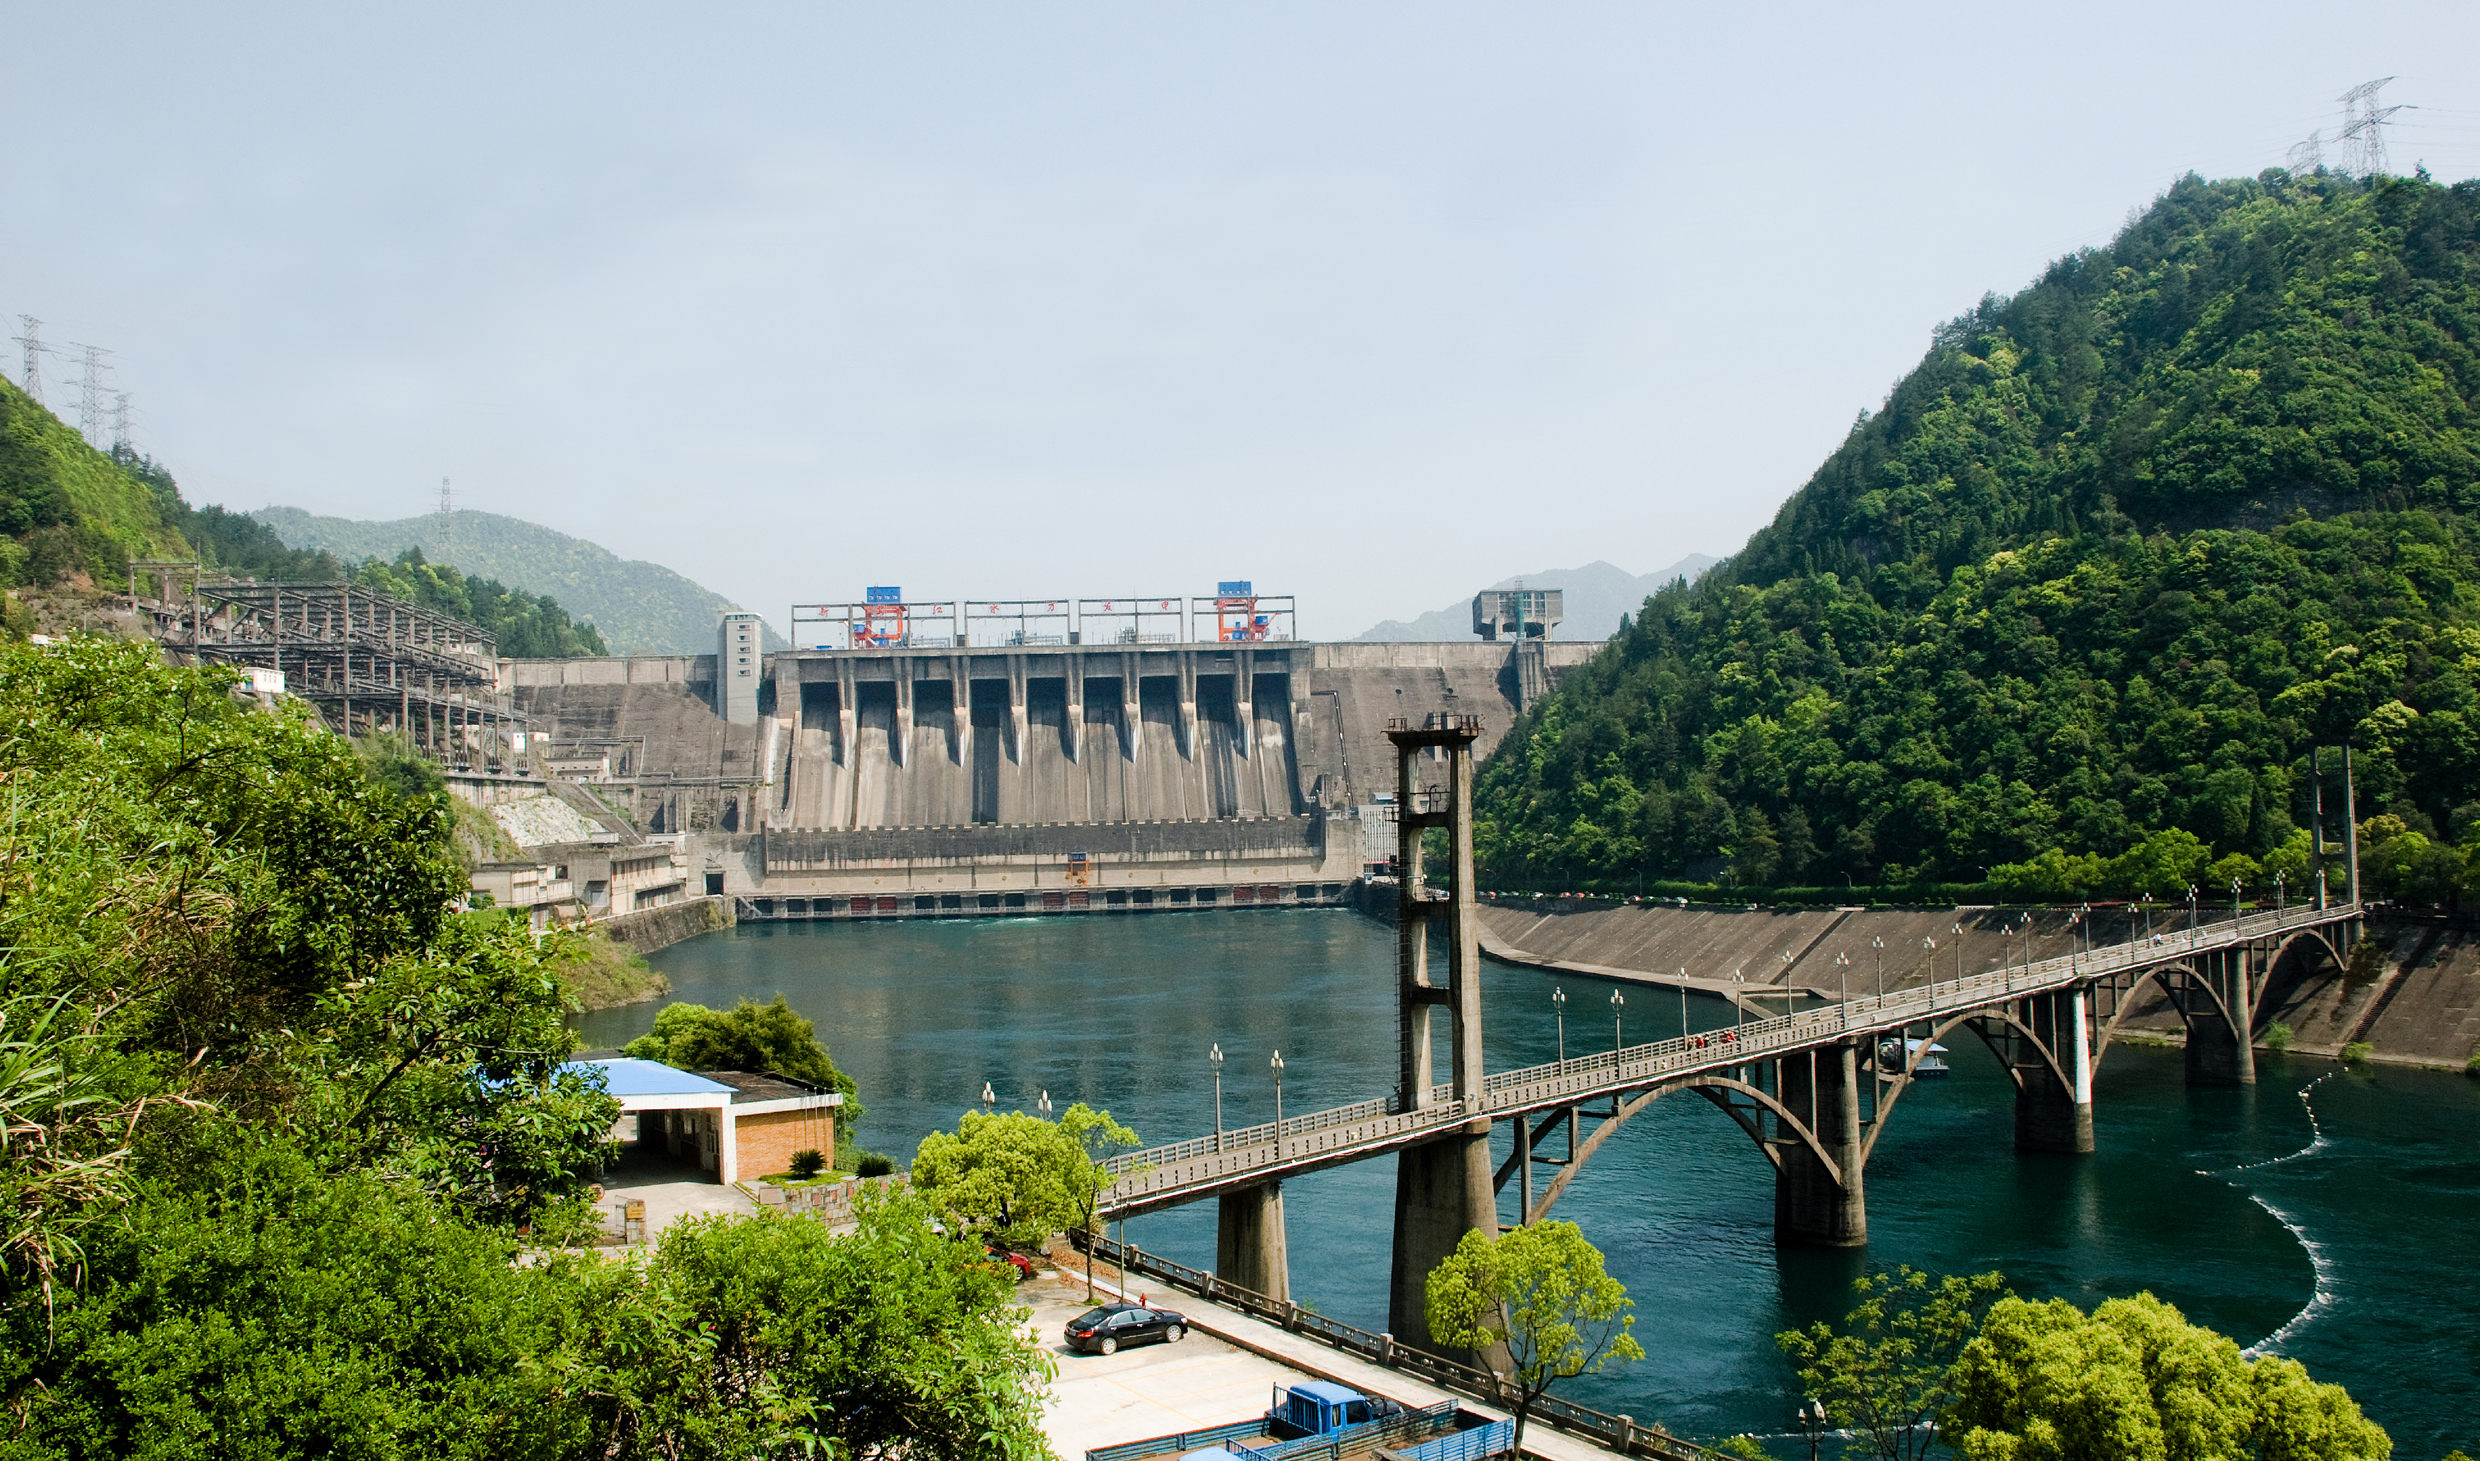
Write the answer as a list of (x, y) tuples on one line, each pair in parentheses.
[(1087, 1421), (670, 1190)]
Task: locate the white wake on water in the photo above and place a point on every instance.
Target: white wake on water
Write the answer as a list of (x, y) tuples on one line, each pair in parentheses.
[(2323, 1296)]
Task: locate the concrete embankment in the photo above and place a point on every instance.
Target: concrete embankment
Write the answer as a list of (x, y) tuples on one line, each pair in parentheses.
[(649, 929), (2411, 990)]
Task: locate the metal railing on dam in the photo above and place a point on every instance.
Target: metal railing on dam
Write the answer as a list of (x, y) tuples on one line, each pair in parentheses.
[(1182, 1172)]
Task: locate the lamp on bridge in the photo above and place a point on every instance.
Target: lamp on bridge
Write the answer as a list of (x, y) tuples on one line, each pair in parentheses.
[(1842, 976), (1618, 1010), (1044, 1105), (1813, 1421), (2191, 908), (1558, 1006), (2277, 896), (1278, 1105), (1216, 1056), (1881, 965), (990, 1098)]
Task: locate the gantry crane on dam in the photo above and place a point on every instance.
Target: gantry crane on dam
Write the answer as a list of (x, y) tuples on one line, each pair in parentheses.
[(1813, 1088)]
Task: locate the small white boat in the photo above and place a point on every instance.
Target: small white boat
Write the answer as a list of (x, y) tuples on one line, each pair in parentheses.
[(1893, 1056)]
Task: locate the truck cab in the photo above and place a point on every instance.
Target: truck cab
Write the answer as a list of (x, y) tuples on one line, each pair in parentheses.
[(1315, 1407)]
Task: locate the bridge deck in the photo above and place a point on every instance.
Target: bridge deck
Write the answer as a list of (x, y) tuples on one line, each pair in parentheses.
[(1184, 1172)]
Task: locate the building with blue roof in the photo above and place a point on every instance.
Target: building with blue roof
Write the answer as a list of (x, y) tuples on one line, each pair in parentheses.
[(728, 1120)]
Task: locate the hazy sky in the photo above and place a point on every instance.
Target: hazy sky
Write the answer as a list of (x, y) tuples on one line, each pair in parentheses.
[(1370, 303)]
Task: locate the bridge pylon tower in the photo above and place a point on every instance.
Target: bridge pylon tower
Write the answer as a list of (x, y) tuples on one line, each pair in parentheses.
[(1444, 1188)]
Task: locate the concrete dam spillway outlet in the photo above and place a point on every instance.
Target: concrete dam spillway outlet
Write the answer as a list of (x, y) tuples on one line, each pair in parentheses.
[(925, 782)]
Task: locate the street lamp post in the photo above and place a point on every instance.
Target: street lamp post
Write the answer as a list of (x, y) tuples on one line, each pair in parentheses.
[(1930, 944), (1044, 1105), (2278, 904), (1618, 1009), (1216, 1056), (2234, 900), (2191, 911), (1881, 966), (1558, 1006), (990, 1099), (1278, 1105), (1842, 975), (1813, 1421), (1683, 1004)]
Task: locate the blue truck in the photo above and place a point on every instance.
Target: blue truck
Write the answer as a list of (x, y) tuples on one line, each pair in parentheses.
[(1319, 1420)]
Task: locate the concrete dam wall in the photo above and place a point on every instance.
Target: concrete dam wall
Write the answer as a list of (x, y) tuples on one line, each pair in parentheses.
[(1090, 763), (944, 772)]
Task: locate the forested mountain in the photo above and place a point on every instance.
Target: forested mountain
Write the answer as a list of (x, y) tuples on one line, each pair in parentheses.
[(639, 607), (2109, 561), (1598, 596)]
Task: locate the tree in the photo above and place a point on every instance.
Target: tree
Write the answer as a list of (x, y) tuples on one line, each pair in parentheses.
[(752, 1037), (771, 1336), (2047, 1382), (1097, 1136), (1018, 1178), (1540, 1294), (1887, 1374)]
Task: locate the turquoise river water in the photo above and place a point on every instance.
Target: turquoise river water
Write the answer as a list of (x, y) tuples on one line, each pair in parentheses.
[(2323, 1215)]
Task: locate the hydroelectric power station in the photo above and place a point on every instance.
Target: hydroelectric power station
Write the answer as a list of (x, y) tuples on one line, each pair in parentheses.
[(969, 757)]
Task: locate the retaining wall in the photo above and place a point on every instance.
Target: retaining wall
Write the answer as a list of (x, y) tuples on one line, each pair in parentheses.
[(649, 929)]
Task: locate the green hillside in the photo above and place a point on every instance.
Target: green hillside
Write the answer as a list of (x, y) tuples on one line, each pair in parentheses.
[(66, 508), (2081, 597), (639, 607)]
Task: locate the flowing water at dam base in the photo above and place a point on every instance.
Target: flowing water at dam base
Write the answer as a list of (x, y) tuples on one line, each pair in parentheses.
[(2330, 1226)]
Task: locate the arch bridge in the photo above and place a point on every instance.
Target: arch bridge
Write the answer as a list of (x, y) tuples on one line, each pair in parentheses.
[(1813, 1088)]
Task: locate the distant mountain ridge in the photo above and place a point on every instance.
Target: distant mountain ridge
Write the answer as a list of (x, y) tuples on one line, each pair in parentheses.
[(639, 607), (1596, 595)]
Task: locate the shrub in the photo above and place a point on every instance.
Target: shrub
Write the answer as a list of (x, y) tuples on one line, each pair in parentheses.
[(2356, 1053), (808, 1163), (2471, 1067), (875, 1164), (2278, 1037)]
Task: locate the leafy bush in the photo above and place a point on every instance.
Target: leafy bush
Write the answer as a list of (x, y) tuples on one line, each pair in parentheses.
[(879, 1164), (808, 1163), (2278, 1036), (2357, 1052), (2471, 1067), (752, 1037)]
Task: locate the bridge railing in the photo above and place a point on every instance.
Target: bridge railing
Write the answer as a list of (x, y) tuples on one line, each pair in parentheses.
[(1619, 1433), (1530, 1087)]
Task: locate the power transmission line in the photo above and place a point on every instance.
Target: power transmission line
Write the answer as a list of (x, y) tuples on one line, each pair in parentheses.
[(2308, 156), (120, 424), (447, 522), (31, 380)]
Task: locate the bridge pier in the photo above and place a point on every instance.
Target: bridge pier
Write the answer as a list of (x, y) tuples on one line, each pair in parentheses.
[(1250, 1249), (1443, 1190), (2221, 1044), (2054, 1113), (1447, 1187), (1815, 1203)]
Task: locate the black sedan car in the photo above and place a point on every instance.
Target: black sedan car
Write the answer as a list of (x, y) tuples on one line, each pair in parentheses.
[(1107, 1329)]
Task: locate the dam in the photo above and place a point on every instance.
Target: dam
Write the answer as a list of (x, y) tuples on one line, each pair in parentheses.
[(916, 780)]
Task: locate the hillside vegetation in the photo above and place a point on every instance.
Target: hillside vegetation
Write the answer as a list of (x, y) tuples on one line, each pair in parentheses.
[(637, 607), (66, 508), (70, 512), (2081, 597)]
